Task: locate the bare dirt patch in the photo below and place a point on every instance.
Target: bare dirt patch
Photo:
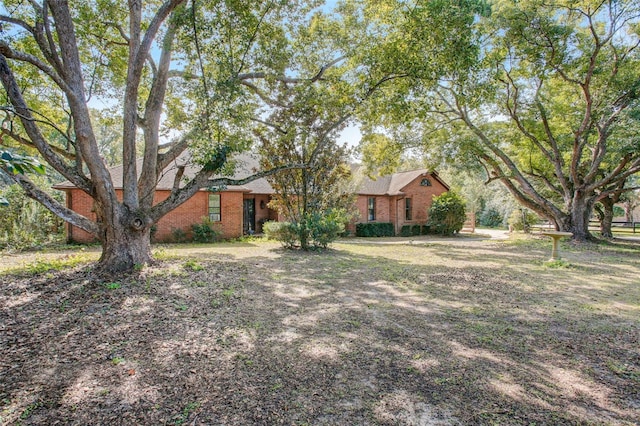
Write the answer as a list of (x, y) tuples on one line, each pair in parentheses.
[(429, 334)]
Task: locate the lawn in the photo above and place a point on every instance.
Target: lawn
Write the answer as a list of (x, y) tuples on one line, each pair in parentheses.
[(429, 332)]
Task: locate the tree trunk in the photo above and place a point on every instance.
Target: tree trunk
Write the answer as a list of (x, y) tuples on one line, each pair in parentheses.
[(606, 217), (581, 209), (126, 241)]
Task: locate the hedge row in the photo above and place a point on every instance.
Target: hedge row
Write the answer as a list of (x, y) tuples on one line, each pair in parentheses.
[(413, 230), (377, 229)]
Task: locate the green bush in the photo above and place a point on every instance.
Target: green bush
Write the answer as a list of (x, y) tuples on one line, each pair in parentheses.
[(179, 236), (324, 229), (491, 217), (426, 229), (405, 231), (447, 214), (415, 230), (205, 231), (25, 223), (515, 220), (285, 232), (317, 231), (377, 229)]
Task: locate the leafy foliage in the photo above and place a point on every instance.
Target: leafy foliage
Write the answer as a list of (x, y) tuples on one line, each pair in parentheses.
[(15, 163), (284, 232), (522, 219), (491, 217), (447, 214), (205, 231), (318, 230), (26, 224), (375, 229)]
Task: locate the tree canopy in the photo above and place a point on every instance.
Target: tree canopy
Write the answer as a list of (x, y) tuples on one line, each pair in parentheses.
[(196, 77), (550, 107)]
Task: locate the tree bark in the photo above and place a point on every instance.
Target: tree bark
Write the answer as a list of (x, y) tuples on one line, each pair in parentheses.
[(607, 218), (581, 208), (125, 239)]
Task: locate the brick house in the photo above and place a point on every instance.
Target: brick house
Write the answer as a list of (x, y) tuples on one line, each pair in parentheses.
[(235, 211), (402, 198)]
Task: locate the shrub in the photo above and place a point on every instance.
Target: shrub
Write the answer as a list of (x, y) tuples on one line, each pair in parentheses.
[(377, 229), (405, 231), (491, 217), (515, 220), (324, 229), (415, 230), (317, 230), (205, 231), (285, 232), (179, 236), (447, 214), (426, 229)]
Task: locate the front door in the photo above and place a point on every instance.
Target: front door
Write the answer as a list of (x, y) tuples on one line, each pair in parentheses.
[(249, 214)]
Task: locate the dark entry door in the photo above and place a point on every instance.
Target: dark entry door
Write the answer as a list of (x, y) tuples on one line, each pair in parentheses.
[(249, 214)]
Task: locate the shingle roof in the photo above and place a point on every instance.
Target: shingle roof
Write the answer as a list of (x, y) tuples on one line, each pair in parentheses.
[(395, 183), (247, 164)]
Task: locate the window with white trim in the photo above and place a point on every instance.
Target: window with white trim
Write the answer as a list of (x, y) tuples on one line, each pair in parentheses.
[(215, 208)]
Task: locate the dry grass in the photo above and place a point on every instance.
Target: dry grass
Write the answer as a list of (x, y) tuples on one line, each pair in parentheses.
[(428, 333)]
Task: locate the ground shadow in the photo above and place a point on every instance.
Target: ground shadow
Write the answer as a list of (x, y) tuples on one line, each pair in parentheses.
[(341, 337)]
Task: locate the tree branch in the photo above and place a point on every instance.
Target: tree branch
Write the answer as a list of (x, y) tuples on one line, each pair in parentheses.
[(54, 206), (8, 52), (14, 94)]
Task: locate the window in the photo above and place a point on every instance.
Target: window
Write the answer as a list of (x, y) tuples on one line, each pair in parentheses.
[(407, 208), (214, 208), (371, 208), (425, 182)]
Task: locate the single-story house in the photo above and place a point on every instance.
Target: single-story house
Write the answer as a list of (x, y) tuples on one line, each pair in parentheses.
[(401, 198)]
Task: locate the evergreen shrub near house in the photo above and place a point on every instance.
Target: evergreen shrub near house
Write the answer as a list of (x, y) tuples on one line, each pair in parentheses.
[(324, 229), (414, 230), (179, 236), (447, 214), (377, 229), (284, 232), (205, 232), (315, 231)]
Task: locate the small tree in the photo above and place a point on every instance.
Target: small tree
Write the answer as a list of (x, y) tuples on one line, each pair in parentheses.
[(447, 214), (521, 219)]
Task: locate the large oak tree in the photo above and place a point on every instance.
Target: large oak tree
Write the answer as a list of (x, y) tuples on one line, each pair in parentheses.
[(550, 109), (177, 66)]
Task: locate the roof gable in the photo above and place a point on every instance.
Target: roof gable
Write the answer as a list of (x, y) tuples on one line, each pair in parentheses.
[(395, 183)]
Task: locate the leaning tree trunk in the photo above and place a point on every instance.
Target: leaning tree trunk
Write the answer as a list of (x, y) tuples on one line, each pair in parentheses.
[(125, 241)]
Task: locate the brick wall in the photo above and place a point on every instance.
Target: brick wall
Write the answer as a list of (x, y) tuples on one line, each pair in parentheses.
[(422, 197), (392, 208), (182, 217)]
